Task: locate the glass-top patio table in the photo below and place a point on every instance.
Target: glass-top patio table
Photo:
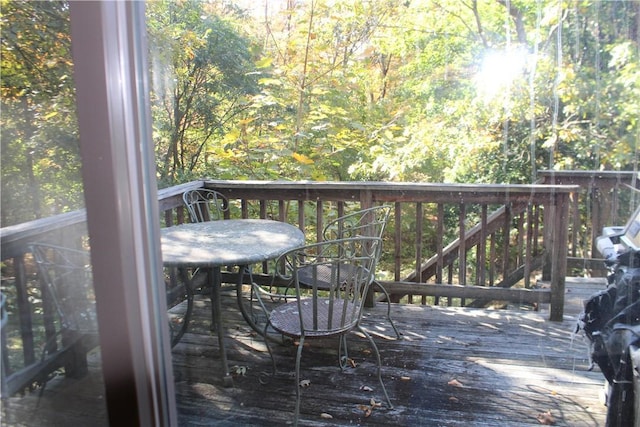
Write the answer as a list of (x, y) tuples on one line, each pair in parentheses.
[(214, 244)]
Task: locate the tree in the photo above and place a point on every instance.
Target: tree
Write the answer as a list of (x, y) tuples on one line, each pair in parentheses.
[(598, 118), (312, 119), (40, 153), (405, 91), (202, 70), (421, 90)]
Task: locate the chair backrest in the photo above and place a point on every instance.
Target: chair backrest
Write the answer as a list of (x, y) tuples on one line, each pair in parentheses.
[(336, 274), (367, 222), (66, 274), (205, 205)]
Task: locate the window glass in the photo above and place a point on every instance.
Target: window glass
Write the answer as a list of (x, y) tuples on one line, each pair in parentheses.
[(316, 90), (51, 360)]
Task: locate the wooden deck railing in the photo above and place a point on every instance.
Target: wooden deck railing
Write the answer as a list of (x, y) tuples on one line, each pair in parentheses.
[(459, 242), (605, 198), (445, 244)]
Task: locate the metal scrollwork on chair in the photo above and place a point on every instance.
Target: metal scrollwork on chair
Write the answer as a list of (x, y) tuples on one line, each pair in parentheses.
[(205, 205), (66, 275)]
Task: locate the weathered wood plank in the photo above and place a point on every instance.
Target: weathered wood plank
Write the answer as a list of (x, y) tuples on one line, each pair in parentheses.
[(511, 366), (460, 291)]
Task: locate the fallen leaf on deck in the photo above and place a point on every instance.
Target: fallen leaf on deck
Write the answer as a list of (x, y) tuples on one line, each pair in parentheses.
[(365, 388), (403, 378), (238, 370), (546, 418), (366, 409), (453, 399), (351, 362), (455, 383), (305, 383), (326, 416)]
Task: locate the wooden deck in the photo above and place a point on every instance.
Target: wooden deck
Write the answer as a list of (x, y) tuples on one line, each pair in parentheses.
[(453, 367)]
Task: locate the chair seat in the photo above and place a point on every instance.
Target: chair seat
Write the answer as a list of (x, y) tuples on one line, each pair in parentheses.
[(286, 320)]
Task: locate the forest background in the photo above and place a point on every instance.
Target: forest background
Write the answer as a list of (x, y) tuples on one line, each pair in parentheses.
[(469, 91)]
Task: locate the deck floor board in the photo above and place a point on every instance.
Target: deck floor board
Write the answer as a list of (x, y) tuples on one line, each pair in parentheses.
[(509, 366)]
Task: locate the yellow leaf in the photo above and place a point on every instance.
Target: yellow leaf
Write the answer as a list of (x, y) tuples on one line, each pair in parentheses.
[(455, 383), (366, 409), (545, 418), (264, 62), (50, 115), (302, 159), (246, 121)]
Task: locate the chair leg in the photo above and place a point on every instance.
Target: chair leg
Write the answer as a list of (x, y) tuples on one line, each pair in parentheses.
[(252, 308), (175, 338), (298, 391), (212, 297), (246, 307), (388, 298), (266, 342), (343, 352), (375, 350), (76, 365)]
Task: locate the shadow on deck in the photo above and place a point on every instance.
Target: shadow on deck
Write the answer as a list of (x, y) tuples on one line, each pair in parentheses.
[(453, 367)]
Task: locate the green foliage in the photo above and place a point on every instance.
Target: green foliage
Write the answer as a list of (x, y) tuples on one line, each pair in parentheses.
[(340, 90), (40, 153), (202, 74), (394, 91)]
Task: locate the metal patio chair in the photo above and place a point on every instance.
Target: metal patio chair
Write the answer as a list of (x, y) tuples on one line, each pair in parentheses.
[(66, 276), (205, 205), (366, 222), (337, 275)]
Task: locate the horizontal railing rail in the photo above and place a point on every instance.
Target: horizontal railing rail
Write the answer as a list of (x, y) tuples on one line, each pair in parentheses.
[(445, 243)]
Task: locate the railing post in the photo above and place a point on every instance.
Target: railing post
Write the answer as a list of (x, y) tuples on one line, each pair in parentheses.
[(559, 222), (25, 312), (366, 201)]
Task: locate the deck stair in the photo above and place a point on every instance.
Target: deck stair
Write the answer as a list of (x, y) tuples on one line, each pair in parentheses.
[(451, 252)]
